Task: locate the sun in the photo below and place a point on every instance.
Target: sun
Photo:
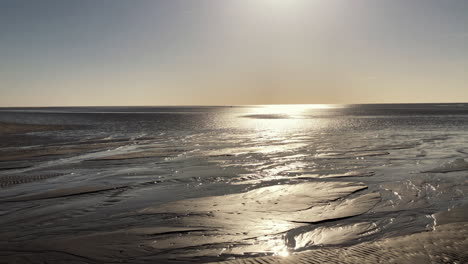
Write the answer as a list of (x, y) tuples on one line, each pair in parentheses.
[(278, 5)]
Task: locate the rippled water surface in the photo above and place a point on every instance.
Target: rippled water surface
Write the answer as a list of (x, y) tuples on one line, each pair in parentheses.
[(199, 184)]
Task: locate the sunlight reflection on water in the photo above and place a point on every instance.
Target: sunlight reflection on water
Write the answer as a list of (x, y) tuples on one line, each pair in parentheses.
[(275, 121)]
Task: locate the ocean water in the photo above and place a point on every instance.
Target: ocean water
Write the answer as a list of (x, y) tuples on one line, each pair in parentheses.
[(199, 184)]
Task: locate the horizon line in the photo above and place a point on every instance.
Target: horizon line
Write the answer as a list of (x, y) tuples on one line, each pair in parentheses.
[(226, 105)]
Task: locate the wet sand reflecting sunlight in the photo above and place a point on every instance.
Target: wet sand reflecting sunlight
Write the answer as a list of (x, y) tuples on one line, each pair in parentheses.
[(268, 184)]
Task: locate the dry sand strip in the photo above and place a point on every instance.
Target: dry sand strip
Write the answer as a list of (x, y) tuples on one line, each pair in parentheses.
[(447, 244)]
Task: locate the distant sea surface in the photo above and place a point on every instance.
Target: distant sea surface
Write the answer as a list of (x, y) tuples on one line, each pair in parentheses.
[(199, 184)]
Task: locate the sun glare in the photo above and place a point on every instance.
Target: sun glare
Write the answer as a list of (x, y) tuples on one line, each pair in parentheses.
[(283, 253), (277, 5), (295, 109), (280, 2)]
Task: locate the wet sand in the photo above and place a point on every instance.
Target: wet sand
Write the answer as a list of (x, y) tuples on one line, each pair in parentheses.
[(13, 128), (107, 195), (198, 230), (447, 244)]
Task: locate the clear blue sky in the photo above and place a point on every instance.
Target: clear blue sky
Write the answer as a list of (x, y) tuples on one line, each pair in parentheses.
[(218, 52)]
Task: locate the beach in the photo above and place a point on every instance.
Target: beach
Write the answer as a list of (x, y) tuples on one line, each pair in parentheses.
[(242, 184)]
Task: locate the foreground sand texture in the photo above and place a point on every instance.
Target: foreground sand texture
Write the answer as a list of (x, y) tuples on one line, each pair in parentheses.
[(447, 244)]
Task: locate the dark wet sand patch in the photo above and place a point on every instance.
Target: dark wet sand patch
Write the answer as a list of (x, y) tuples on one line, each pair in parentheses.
[(13, 166), (338, 175), (451, 166), (65, 192), (10, 180), (462, 151), (12, 128), (139, 155), (34, 153), (453, 215), (347, 155), (390, 147), (41, 256)]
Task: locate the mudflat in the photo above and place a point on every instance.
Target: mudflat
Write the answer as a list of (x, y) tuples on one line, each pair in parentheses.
[(201, 185)]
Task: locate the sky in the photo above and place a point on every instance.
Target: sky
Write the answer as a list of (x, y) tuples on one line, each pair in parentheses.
[(232, 52)]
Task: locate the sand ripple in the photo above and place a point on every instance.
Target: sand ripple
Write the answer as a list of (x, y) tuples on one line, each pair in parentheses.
[(447, 244)]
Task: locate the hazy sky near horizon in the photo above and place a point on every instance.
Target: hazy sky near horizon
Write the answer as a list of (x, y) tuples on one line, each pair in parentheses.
[(226, 52)]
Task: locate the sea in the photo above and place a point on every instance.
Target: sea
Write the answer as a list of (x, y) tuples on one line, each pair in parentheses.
[(212, 183)]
